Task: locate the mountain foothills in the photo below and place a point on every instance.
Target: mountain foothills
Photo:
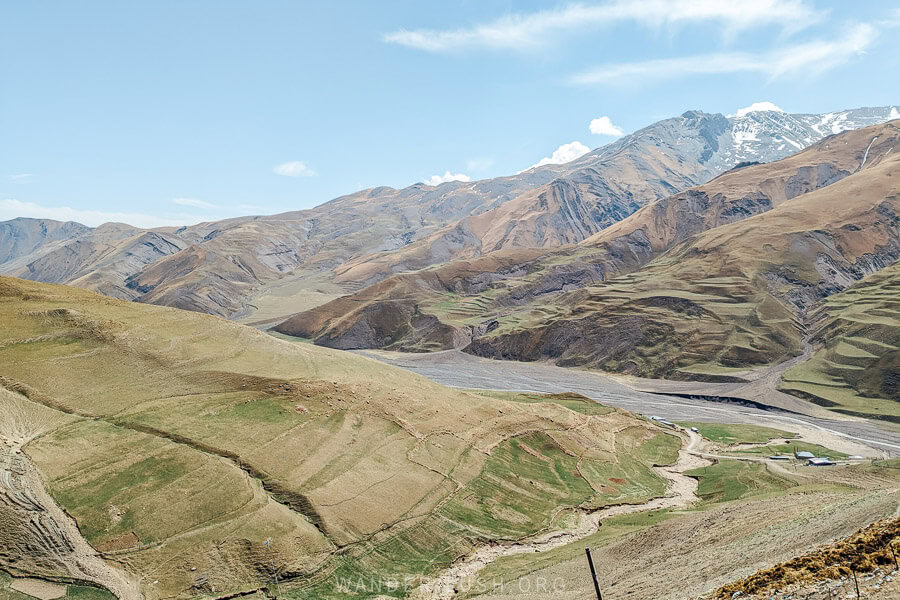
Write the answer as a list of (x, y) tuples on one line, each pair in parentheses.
[(260, 268), (737, 273), (162, 453), (188, 445)]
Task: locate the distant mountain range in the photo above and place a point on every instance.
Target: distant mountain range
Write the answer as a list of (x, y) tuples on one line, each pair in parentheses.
[(313, 255), (748, 270)]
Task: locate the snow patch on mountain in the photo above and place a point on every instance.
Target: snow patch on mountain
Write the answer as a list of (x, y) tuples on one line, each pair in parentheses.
[(762, 132)]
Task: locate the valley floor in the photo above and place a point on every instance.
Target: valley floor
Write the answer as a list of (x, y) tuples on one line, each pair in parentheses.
[(457, 369), (686, 551)]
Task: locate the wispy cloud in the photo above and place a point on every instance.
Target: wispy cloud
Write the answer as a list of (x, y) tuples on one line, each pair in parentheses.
[(892, 20), (604, 126), (294, 168), (447, 176), (525, 31), (798, 60), (193, 202), (21, 177), (563, 154), (11, 208)]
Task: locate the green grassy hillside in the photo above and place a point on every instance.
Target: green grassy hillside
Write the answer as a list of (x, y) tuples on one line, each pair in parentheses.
[(203, 455)]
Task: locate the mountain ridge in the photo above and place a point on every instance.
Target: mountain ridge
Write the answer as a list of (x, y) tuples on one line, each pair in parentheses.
[(360, 238), (702, 285), (632, 242)]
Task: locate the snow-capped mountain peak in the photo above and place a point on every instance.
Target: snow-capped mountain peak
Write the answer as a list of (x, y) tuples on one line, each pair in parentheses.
[(763, 132)]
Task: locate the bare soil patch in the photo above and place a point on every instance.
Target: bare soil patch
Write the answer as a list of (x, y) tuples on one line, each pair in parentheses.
[(38, 588)]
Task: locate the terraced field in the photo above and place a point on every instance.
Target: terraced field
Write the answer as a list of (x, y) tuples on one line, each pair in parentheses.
[(727, 433), (9, 590), (747, 512), (856, 368), (206, 457), (730, 480)]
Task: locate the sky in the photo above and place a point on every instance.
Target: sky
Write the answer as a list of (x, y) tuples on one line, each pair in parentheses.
[(173, 112)]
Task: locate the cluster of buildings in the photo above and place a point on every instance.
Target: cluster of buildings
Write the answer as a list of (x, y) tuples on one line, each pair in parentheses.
[(811, 459)]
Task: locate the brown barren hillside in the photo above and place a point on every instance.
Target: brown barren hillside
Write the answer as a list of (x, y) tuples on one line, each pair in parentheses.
[(732, 297), (387, 312), (598, 190), (535, 289)]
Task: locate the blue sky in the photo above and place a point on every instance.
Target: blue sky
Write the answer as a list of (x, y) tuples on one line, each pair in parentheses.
[(172, 112)]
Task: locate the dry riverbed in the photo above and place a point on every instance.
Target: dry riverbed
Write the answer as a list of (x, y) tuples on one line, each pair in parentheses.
[(681, 493)]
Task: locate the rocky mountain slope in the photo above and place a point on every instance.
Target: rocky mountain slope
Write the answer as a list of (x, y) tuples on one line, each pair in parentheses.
[(23, 237), (506, 279), (735, 296), (614, 181), (702, 284), (359, 239)]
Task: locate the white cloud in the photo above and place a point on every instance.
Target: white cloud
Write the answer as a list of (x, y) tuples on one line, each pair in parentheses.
[(523, 31), (21, 177), (563, 154), (604, 126), (294, 168), (799, 60), (192, 202), (447, 176), (11, 208), (757, 107)]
